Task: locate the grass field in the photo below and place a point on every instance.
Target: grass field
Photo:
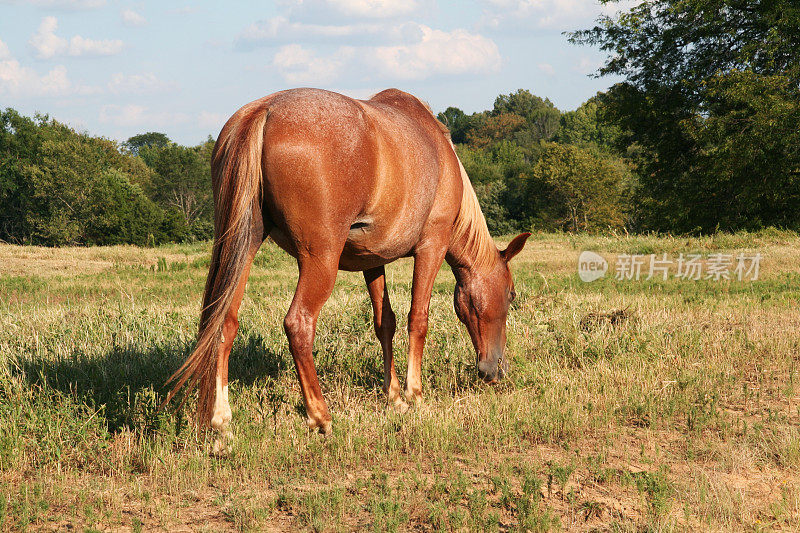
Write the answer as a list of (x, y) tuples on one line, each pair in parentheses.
[(681, 415)]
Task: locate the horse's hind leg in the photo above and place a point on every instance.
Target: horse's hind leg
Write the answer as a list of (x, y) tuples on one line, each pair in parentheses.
[(221, 416), (314, 286), (385, 326)]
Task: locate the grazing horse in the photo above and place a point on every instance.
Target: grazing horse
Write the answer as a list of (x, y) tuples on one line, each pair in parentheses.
[(345, 184)]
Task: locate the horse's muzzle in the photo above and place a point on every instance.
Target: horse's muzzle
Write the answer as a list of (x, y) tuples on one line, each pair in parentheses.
[(492, 369)]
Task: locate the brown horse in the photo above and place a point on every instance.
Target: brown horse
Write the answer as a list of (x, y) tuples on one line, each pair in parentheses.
[(345, 184)]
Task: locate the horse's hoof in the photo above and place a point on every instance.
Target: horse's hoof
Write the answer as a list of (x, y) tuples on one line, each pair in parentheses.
[(399, 406), (324, 427), (414, 399), (223, 444)]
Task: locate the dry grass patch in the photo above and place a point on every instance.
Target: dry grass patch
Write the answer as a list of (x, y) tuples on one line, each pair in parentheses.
[(682, 415)]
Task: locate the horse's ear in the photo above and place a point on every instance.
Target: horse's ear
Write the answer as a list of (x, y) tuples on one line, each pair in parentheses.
[(515, 246)]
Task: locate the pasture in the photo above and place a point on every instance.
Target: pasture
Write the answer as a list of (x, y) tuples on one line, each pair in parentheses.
[(680, 415)]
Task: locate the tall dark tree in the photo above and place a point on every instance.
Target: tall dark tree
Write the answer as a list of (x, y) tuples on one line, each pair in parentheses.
[(20, 143), (457, 122), (708, 81)]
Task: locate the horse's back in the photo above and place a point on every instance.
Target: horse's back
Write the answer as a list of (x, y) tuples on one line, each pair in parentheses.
[(365, 173)]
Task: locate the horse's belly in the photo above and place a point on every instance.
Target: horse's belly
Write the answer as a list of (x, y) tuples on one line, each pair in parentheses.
[(364, 248), (369, 247)]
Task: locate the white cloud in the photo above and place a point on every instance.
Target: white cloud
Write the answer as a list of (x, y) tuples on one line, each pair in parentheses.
[(17, 80), (438, 53), (55, 82), (47, 44), (45, 41), (186, 10), (587, 65), (547, 68), (70, 4), (79, 46), (282, 30), (300, 65), (137, 83), (132, 19), (361, 93), (136, 115), (419, 52), (374, 8), (5, 53), (20, 81)]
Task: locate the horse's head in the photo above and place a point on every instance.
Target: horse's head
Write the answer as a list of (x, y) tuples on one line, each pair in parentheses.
[(482, 299)]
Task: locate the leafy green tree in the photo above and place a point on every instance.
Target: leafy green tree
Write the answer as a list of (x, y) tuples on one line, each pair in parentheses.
[(151, 139), (499, 174), (587, 191), (681, 43), (62, 181), (584, 126), (59, 187), (701, 75), (522, 103), (541, 116), (118, 212), (492, 198), (182, 182), (479, 164), (495, 128), (19, 144), (746, 168)]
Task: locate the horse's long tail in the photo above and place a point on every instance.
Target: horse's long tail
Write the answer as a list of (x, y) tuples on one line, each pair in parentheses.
[(237, 177)]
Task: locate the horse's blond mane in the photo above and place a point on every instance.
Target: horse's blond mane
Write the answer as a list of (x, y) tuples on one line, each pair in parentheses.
[(470, 227)]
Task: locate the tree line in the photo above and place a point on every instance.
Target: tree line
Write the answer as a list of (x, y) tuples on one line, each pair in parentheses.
[(60, 187), (702, 135)]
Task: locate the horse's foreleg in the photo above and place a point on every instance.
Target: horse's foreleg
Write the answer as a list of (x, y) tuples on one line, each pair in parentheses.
[(385, 326), (426, 265), (314, 286)]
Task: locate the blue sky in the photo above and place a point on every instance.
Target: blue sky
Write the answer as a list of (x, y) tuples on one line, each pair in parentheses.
[(121, 68)]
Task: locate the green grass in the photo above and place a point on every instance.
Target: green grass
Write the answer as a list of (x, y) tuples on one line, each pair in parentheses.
[(683, 416)]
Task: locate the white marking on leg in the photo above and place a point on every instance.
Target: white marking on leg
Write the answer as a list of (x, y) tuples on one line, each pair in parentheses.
[(222, 409)]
